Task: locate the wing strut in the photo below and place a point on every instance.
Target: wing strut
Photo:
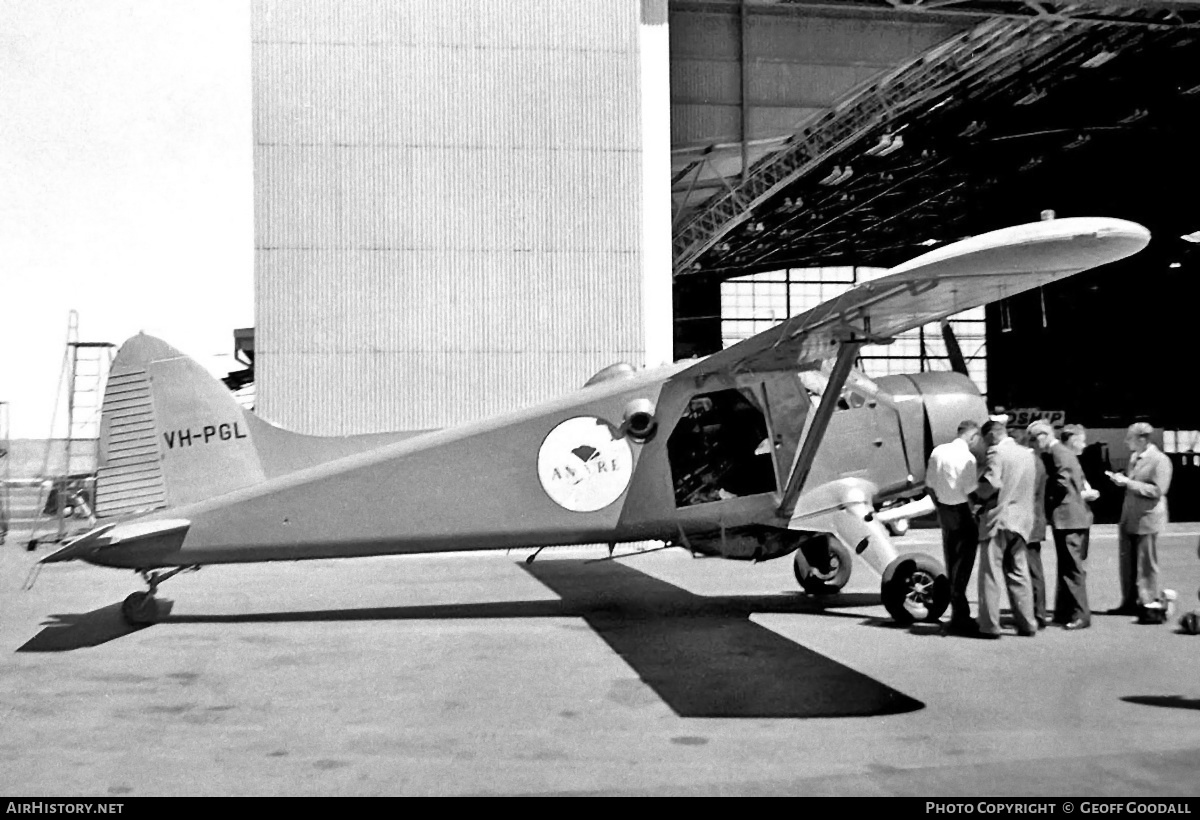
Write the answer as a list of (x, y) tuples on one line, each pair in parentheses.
[(847, 353)]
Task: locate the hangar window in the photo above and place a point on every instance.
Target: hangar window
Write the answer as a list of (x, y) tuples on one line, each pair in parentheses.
[(720, 449), (752, 304)]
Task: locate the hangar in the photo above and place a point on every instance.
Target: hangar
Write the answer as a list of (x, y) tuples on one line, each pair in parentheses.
[(459, 210)]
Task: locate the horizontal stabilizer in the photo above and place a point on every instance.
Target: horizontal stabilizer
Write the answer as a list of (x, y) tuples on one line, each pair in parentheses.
[(147, 537), (81, 546)]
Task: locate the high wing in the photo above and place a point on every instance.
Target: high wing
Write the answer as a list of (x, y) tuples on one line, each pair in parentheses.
[(933, 286)]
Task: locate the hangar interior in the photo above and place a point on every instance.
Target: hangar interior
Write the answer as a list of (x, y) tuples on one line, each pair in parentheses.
[(1017, 109), (812, 142)]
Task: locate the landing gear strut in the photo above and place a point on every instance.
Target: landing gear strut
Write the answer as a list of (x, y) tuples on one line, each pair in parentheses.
[(141, 608)]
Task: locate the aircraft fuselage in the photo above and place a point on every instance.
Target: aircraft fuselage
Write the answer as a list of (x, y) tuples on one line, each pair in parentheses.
[(711, 474)]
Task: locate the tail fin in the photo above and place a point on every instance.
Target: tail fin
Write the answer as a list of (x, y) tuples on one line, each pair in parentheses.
[(170, 434)]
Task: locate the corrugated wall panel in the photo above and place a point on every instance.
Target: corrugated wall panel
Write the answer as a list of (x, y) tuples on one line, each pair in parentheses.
[(561, 98), (448, 206), (535, 200), (470, 23)]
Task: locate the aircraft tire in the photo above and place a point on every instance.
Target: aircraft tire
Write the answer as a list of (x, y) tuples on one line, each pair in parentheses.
[(915, 588), (140, 609), (822, 566)]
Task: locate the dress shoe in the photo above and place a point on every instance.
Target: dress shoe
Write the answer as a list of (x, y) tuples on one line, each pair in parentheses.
[(987, 636), (1123, 610), (1078, 623), (1027, 633), (1041, 622), (963, 627)]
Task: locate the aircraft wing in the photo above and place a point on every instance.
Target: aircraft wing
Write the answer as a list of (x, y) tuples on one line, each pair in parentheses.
[(941, 283)]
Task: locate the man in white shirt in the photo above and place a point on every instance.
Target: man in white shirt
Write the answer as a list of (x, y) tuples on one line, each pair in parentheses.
[(950, 478)]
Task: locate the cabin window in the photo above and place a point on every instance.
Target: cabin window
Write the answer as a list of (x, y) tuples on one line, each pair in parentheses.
[(720, 449)]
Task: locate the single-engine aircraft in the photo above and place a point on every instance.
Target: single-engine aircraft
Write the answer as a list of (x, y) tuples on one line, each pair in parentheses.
[(774, 446)]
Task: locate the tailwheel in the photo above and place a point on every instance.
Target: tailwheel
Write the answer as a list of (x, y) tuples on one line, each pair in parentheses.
[(915, 588), (822, 565), (140, 609)]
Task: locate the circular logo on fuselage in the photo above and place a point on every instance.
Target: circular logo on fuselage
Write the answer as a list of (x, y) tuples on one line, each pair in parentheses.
[(582, 467)]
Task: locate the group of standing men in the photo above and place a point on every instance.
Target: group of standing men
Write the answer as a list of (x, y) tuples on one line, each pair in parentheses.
[(1002, 513)]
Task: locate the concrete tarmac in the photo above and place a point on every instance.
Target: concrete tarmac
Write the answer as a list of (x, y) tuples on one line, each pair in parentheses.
[(653, 674)]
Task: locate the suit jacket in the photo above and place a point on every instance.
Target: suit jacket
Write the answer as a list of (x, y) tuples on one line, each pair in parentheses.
[(1038, 533), (1006, 488), (1145, 507), (1064, 489)]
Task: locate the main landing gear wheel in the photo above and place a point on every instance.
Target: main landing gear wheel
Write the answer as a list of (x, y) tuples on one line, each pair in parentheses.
[(822, 565), (140, 609), (915, 588)]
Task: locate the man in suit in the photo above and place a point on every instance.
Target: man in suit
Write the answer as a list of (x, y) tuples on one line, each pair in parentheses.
[(1067, 494), (1146, 481), (951, 478), (1005, 524), (1033, 550)]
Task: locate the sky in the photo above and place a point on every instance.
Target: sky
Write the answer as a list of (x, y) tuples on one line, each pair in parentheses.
[(126, 185)]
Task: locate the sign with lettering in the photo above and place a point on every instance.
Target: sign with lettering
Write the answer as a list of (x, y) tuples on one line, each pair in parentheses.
[(582, 466), (1022, 417)]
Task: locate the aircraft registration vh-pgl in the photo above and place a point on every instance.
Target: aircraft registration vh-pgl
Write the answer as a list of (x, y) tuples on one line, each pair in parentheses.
[(775, 446)]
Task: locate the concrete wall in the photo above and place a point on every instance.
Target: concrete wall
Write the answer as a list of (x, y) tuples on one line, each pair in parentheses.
[(450, 205)]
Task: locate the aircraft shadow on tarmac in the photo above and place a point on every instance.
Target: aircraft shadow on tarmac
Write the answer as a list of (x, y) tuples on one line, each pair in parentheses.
[(702, 655), (1169, 701), (72, 631)]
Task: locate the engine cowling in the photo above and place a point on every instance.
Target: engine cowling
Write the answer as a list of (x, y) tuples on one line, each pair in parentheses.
[(931, 406)]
